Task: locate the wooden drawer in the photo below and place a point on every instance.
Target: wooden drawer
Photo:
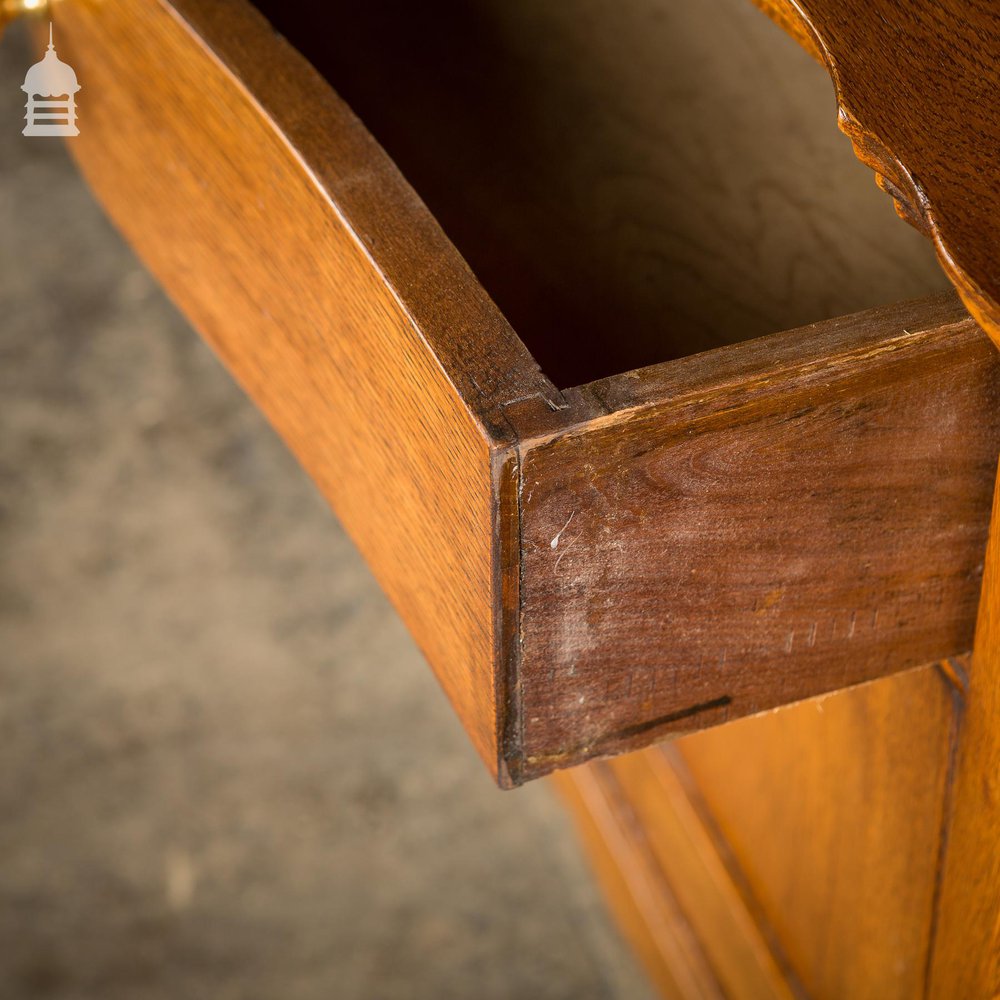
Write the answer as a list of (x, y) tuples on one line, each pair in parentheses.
[(645, 512)]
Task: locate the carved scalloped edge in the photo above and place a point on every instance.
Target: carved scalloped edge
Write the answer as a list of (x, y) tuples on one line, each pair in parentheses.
[(891, 174)]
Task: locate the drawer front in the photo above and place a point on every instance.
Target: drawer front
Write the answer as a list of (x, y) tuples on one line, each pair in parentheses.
[(726, 541)]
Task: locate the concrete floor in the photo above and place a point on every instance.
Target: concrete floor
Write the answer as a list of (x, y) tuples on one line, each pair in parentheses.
[(225, 770)]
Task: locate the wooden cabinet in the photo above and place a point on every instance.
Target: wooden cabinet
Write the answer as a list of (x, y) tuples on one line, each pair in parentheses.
[(800, 850), (643, 408)]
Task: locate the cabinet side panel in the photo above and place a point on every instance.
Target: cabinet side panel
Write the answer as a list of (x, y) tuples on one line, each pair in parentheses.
[(833, 810), (966, 960)]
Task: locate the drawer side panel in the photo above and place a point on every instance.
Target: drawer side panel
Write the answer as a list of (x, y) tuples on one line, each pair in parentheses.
[(387, 399)]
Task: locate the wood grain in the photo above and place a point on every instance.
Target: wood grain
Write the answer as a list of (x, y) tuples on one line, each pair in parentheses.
[(918, 90), (803, 844), (966, 960), (687, 854), (724, 535), (631, 181), (309, 265), (636, 887), (834, 812)]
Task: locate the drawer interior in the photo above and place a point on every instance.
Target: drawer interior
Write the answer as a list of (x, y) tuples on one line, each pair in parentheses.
[(633, 181)]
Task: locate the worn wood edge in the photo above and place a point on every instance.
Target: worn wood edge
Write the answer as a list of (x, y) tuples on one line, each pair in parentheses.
[(893, 176), (377, 206), (727, 373), (507, 569)]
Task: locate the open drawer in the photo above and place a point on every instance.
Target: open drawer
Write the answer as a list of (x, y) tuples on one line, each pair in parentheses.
[(645, 511)]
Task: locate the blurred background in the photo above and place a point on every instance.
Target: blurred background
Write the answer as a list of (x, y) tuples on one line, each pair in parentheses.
[(225, 770)]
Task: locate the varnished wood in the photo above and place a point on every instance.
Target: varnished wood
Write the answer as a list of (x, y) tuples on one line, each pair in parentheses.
[(835, 812), (649, 553), (688, 857), (822, 824), (966, 960), (274, 237), (742, 530), (917, 88), (636, 887)]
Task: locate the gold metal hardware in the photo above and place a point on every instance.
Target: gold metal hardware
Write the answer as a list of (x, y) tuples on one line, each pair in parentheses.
[(11, 9)]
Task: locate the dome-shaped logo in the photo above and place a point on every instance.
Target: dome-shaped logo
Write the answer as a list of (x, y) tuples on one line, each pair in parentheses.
[(51, 87)]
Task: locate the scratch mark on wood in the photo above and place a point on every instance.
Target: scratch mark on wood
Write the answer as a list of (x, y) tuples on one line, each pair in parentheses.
[(566, 548), (555, 541), (577, 754), (662, 720)]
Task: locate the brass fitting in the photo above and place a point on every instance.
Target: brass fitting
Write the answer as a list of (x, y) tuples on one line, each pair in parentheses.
[(10, 9)]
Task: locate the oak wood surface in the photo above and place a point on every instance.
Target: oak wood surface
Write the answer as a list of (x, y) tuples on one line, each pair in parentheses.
[(631, 181), (273, 237), (918, 90), (636, 886), (966, 960), (834, 812), (734, 944), (805, 841), (733, 532)]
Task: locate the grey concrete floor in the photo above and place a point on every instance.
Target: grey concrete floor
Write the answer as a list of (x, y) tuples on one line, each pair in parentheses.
[(225, 770)]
